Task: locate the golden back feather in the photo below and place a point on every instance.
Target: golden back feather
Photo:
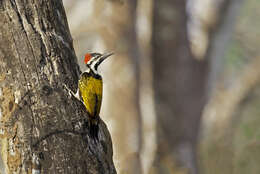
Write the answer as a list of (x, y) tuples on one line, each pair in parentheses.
[(91, 92)]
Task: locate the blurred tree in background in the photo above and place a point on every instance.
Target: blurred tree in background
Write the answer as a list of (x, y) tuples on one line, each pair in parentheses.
[(181, 92), (179, 87)]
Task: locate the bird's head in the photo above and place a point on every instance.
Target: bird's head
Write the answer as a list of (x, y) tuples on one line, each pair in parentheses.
[(93, 60)]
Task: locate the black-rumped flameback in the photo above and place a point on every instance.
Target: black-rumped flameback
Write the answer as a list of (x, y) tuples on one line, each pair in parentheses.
[(90, 89)]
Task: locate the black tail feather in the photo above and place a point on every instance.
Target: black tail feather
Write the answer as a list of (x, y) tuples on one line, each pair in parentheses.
[(94, 128)]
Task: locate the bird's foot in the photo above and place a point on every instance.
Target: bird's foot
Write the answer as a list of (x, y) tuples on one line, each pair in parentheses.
[(71, 93)]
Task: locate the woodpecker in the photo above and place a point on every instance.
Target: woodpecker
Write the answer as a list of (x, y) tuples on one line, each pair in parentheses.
[(90, 89)]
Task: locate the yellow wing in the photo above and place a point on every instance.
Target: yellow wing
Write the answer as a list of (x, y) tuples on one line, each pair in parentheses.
[(91, 93)]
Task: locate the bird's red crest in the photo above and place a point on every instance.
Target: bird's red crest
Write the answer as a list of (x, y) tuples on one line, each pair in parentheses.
[(87, 58)]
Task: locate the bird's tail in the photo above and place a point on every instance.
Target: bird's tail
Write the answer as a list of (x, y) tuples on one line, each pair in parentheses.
[(94, 127)]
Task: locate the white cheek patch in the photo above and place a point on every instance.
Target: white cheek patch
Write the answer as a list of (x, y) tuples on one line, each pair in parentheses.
[(90, 61), (93, 66), (87, 70)]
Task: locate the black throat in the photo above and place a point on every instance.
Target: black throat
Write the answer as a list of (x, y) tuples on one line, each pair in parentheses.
[(92, 74)]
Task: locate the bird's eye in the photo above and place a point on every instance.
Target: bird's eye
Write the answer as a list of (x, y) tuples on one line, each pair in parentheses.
[(87, 58)]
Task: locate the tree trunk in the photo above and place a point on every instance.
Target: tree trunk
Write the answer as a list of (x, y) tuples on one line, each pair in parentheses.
[(179, 84), (43, 130)]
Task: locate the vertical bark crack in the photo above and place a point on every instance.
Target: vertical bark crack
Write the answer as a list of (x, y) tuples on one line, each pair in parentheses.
[(23, 22)]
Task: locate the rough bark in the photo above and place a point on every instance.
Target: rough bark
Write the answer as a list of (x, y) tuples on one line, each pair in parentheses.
[(42, 128), (179, 87)]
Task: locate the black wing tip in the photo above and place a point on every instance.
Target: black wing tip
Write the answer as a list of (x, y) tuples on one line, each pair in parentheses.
[(94, 123)]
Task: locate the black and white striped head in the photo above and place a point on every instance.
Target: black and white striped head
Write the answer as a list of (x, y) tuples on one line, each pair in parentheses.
[(93, 60)]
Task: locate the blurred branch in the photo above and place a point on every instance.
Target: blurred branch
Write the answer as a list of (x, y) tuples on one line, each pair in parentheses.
[(225, 101), (222, 121), (219, 35)]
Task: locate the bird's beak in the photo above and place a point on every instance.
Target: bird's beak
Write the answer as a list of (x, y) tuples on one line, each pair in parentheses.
[(105, 56), (102, 58)]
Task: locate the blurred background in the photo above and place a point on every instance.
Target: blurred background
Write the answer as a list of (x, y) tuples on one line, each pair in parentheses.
[(182, 92)]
